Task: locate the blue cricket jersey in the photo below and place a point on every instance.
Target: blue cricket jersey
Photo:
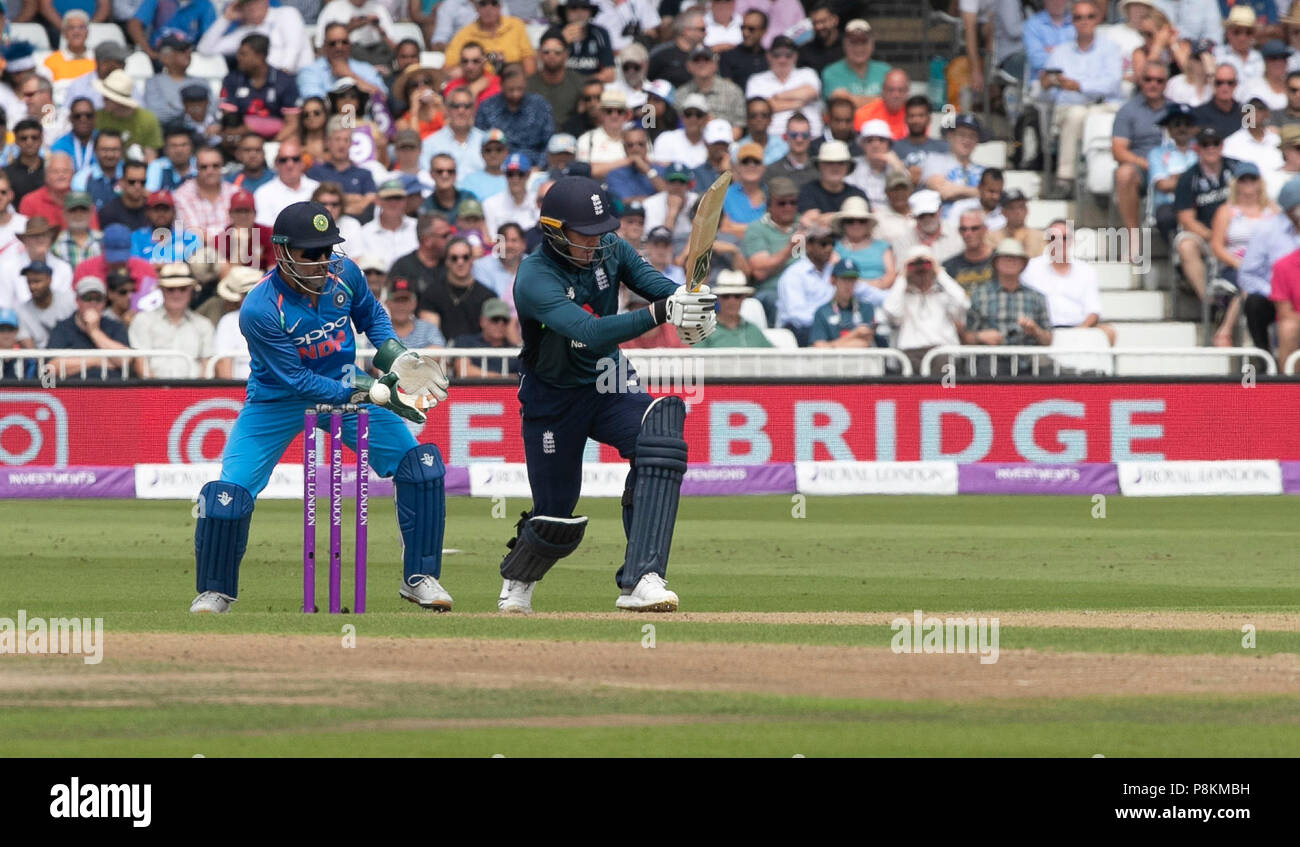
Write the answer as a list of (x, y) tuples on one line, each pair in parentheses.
[(303, 351)]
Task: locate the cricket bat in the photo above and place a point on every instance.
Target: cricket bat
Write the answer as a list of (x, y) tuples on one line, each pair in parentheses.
[(704, 230)]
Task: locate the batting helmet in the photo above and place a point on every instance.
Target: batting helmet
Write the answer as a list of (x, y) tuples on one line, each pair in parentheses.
[(579, 204), (309, 228)]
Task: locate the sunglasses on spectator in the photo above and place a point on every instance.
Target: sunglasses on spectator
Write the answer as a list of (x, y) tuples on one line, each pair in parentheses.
[(313, 113), (494, 148), (1208, 144), (210, 167), (331, 202), (499, 320), (515, 175), (459, 257), (281, 160), (783, 203), (133, 182), (745, 28), (731, 296), (125, 289), (465, 60), (445, 171), (1159, 79), (1239, 30), (749, 162), (93, 297), (976, 228), (482, 3), (612, 111), (78, 116), (1082, 17), (557, 51), (460, 106), (693, 113), (798, 136), (632, 66), (1228, 82)]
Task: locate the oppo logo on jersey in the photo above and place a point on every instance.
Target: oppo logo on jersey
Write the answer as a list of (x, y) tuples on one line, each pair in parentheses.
[(318, 343)]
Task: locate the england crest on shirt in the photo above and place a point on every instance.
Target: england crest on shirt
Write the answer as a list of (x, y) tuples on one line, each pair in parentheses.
[(602, 281)]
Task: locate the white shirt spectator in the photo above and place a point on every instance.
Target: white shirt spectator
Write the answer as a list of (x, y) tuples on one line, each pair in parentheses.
[(453, 16), (152, 330), (674, 146), (596, 146), (925, 319), (272, 198), (349, 229), (801, 291), (656, 209), (1248, 70), (386, 244), (13, 285), (1071, 296), (1194, 19), (1260, 88), (468, 156), (501, 209), (229, 341), (1266, 153), (716, 34), (35, 323), (291, 48), (1180, 90), (342, 11), (766, 85), (9, 232), (617, 16)]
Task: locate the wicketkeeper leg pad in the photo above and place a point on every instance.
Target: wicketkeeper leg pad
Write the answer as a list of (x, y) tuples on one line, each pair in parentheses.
[(221, 536), (660, 465), (421, 510), (540, 543)]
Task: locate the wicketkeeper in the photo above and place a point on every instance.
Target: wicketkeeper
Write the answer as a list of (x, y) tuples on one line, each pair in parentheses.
[(298, 322), (567, 298)]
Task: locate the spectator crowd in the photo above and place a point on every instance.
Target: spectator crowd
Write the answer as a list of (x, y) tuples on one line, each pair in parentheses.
[(141, 176)]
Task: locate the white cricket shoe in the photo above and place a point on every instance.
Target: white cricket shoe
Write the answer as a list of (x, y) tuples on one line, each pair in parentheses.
[(425, 591), (516, 597), (211, 603), (650, 595)]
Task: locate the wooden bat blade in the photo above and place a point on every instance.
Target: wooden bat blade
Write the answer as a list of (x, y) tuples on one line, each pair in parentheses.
[(704, 229)]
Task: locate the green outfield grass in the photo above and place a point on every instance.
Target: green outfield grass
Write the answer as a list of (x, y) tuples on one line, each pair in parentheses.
[(131, 563)]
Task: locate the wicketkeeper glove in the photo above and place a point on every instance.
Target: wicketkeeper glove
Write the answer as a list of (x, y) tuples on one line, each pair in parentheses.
[(362, 383), (418, 374)]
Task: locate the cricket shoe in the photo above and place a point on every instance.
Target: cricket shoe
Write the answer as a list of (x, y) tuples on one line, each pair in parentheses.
[(425, 591), (650, 595), (211, 603), (516, 597)]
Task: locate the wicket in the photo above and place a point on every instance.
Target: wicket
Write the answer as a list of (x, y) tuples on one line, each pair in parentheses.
[(334, 449)]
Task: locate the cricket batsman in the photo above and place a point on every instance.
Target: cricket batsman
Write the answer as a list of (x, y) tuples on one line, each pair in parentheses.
[(298, 322), (567, 298)]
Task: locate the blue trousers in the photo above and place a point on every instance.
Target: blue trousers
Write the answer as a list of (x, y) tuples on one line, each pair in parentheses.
[(555, 425), (263, 431)]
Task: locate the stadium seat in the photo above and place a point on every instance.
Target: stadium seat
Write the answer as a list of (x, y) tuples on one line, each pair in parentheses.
[(403, 30), (269, 149), (208, 67), (752, 311), (433, 59), (1097, 174), (33, 33), (1082, 338), (1030, 182), (1043, 212), (139, 66), (990, 154), (101, 33), (782, 338)]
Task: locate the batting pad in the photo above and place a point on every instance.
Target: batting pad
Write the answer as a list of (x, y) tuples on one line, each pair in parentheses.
[(541, 542), (421, 510), (660, 465), (221, 536)]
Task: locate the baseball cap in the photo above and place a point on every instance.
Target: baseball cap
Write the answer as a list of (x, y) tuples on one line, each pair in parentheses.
[(176, 40), (1289, 197), (1209, 135), (518, 162), (749, 150), (918, 251), (77, 200), (411, 183), (192, 93), (562, 143), (1274, 49), (494, 136), (468, 208), (718, 131), (701, 51), (1014, 195), (1246, 169), (967, 121), (924, 202), (846, 268), (406, 138), (242, 199), (660, 234), (1202, 46), (857, 25), (1175, 111), (895, 179), (876, 128), (111, 51), (1258, 104), (8, 319), (782, 186), (401, 285), (576, 169), (495, 308), (661, 88), (392, 189), (160, 198), (783, 42), (677, 172), (117, 243), (176, 275), (695, 101), (85, 285), (37, 268), (633, 209)]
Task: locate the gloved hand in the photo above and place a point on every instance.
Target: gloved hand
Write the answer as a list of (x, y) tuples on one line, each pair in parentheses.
[(362, 385), (418, 374), (694, 335), (685, 309)]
